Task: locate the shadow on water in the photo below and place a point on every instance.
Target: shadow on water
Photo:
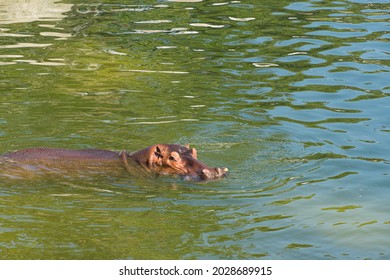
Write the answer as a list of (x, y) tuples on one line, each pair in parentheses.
[(291, 96)]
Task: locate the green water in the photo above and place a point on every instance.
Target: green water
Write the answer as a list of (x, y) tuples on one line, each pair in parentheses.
[(293, 97)]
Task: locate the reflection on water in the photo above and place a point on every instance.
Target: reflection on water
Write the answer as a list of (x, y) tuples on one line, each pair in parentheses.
[(17, 11), (292, 97), (46, 12)]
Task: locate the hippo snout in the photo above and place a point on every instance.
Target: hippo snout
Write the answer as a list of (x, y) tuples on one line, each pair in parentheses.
[(214, 173), (207, 174)]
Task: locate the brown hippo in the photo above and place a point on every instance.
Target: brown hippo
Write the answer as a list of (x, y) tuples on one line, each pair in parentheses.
[(164, 159)]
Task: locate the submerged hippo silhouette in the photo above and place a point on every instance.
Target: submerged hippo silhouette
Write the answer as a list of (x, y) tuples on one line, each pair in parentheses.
[(161, 159)]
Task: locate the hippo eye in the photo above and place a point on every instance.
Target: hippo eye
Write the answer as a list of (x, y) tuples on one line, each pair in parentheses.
[(172, 158)]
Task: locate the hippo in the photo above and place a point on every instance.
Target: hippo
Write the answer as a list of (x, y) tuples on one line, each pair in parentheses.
[(160, 159)]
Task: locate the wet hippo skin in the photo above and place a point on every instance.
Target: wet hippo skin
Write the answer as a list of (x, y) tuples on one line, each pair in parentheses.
[(161, 159)]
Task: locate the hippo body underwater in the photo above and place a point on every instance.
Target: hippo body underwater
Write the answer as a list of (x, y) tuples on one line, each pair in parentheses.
[(161, 159)]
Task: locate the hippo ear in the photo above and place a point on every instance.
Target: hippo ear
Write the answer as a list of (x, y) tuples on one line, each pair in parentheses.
[(194, 153), (155, 158), (157, 152)]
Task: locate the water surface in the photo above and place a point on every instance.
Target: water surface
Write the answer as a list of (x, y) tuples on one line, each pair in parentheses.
[(293, 97)]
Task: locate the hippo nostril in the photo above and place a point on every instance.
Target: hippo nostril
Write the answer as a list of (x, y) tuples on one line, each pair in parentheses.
[(220, 172)]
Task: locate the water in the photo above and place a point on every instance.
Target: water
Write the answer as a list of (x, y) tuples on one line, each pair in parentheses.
[(293, 97)]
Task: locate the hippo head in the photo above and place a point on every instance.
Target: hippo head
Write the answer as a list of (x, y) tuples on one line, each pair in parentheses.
[(173, 159)]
